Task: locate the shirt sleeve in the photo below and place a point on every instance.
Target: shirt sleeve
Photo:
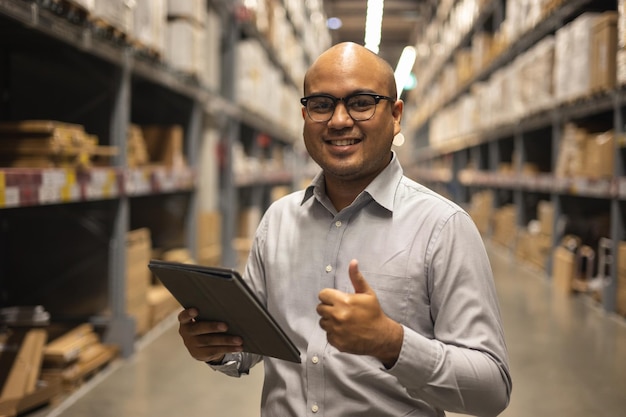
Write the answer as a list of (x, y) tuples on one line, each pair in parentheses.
[(236, 364), (464, 367)]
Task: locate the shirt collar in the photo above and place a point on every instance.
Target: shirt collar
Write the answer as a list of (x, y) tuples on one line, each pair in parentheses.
[(382, 189)]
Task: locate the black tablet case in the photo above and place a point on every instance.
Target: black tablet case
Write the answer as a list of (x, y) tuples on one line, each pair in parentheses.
[(220, 294)]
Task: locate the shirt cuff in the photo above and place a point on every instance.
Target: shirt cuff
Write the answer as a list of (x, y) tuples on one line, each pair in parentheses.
[(229, 365), (418, 360)]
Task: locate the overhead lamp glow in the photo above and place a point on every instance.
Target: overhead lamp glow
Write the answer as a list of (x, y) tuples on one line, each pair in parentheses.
[(373, 24), (334, 23), (404, 67)]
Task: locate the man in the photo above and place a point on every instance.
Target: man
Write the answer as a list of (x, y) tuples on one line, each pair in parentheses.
[(384, 286)]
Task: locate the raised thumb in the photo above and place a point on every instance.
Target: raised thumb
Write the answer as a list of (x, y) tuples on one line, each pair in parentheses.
[(358, 280)]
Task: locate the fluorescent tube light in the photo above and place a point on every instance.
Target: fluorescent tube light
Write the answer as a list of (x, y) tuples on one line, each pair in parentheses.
[(373, 24), (404, 67)]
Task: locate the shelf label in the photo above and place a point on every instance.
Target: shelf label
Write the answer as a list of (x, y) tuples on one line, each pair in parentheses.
[(53, 177), (49, 194), (10, 197)]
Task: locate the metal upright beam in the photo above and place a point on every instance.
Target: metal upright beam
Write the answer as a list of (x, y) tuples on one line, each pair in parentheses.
[(609, 292), (194, 134), (121, 327), (230, 136)]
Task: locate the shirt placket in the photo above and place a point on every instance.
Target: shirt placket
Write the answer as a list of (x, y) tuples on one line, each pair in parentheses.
[(318, 343)]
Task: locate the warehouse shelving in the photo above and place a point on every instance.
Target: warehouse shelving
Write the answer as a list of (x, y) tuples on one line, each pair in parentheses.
[(495, 157), (63, 239), (64, 229), (260, 127)]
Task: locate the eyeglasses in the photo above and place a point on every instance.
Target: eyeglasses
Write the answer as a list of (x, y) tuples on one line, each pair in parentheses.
[(360, 106)]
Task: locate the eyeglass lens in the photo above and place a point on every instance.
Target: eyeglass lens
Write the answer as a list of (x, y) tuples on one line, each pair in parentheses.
[(360, 107)]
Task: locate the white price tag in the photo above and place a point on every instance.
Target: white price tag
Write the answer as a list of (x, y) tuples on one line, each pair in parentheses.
[(11, 197), (49, 194), (53, 177)]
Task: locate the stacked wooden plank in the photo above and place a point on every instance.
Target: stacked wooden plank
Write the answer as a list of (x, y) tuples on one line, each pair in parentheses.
[(75, 356), (48, 144), (22, 344)]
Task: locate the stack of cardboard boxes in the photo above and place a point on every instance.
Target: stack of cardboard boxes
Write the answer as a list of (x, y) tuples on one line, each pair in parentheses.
[(585, 154), (534, 242)]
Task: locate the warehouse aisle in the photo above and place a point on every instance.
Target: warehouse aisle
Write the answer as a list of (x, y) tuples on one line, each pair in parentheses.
[(568, 358)]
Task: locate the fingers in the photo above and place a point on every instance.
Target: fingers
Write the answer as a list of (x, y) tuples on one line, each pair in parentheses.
[(358, 280), (205, 340), (187, 315)]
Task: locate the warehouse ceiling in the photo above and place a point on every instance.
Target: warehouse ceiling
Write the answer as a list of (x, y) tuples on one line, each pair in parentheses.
[(401, 21)]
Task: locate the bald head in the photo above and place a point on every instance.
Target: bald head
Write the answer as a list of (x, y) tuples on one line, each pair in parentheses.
[(351, 55)]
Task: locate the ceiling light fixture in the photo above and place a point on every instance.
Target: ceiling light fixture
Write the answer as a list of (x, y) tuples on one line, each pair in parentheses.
[(373, 24), (404, 67), (334, 23)]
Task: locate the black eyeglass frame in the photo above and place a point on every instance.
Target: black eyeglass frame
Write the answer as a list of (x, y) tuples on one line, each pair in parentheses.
[(377, 98)]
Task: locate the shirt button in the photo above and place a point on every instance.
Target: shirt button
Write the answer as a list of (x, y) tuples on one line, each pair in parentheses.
[(329, 268), (315, 408), (315, 359), (338, 223)]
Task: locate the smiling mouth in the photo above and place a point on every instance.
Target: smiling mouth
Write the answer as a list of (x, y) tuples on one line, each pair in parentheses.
[(344, 142)]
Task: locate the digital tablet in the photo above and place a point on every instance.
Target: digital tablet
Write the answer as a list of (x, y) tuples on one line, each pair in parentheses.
[(220, 294)]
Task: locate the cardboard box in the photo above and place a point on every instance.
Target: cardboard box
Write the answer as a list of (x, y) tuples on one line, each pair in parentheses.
[(480, 210), (505, 225), (149, 23), (185, 46), (621, 67), (138, 277), (193, 10), (545, 215), (117, 13), (563, 269), (533, 248), (604, 52), (164, 144), (599, 155), (209, 238)]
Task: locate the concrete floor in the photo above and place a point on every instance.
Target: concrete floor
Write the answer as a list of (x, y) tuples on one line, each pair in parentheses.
[(568, 358)]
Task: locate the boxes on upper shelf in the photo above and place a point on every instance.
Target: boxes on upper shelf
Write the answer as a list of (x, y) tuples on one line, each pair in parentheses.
[(604, 52), (116, 14), (192, 10), (184, 46), (149, 25)]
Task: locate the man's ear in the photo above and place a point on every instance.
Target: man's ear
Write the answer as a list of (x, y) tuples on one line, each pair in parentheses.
[(398, 108)]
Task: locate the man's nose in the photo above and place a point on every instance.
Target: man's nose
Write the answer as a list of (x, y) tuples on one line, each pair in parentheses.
[(341, 117)]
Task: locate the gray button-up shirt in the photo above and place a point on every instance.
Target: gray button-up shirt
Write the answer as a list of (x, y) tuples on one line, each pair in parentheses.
[(426, 262)]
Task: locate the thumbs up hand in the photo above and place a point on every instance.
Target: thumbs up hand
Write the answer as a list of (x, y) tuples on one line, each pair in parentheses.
[(355, 323)]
